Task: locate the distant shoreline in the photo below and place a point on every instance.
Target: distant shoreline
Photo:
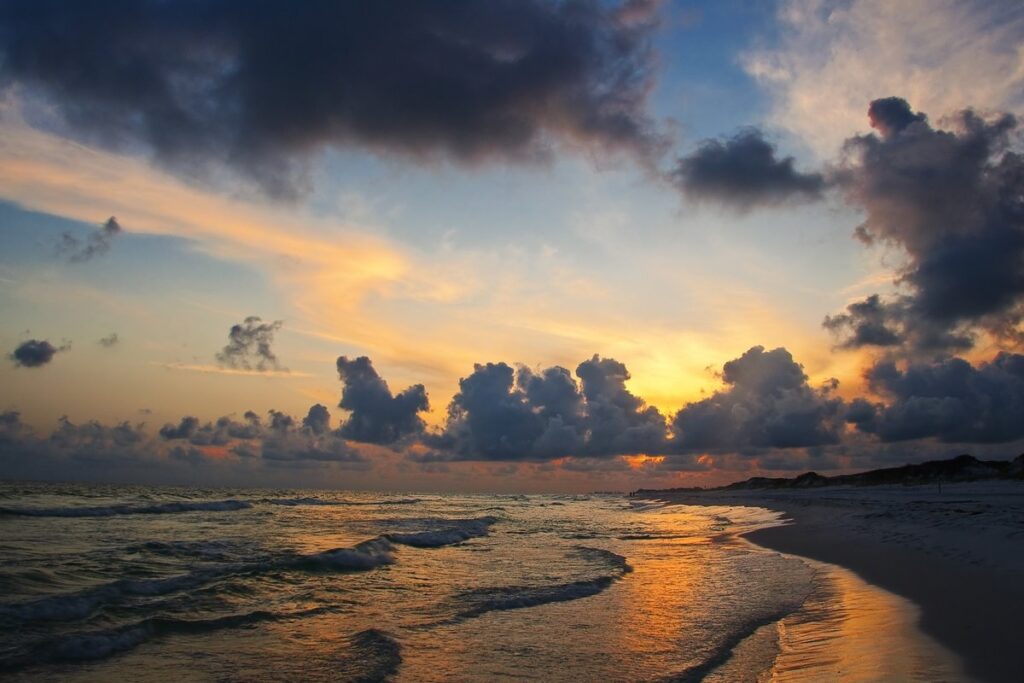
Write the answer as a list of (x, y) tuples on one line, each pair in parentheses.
[(958, 555)]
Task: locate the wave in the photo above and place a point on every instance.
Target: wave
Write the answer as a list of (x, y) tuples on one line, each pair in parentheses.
[(652, 537), (213, 550), (188, 506), (606, 557), (95, 645), (81, 604), (295, 502), (483, 600), (127, 509), (374, 656), (366, 555), (518, 597), (723, 652), (457, 531)]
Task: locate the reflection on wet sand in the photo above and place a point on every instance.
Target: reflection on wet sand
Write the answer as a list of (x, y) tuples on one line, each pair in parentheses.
[(850, 630)]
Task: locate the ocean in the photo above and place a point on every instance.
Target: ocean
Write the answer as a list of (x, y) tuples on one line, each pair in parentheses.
[(160, 583)]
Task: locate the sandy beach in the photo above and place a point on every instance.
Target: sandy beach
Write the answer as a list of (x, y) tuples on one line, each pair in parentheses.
[(957, 553)]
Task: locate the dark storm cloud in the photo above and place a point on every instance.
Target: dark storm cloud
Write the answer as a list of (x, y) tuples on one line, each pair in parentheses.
[(218, 433), (490, 418), (302, 447), (375, 416), (743, 172), (617, 421), (11, 426), (866, 323), (279, 421), (183, 430), (95, 441), (284, 440), (97, 243), (891, 115), (318, 419), (949, 400), (226, 451), (894, 323), (187, 454), (767, 404), (34, 353), (280, 440), (226, 430), (502, 414), (953, 202), (260, 86), (249, 345)]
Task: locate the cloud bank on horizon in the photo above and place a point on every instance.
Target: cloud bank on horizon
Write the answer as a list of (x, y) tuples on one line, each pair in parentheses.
[(767, 416), (264, 93)]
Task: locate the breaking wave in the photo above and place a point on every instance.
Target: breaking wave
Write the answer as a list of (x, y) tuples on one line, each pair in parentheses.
[(189, 506), (81, 604), (483, 600), (457, 531), (95, 645), (308, 500)]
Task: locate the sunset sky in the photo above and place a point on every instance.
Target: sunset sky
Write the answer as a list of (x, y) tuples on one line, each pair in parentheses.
[(772, 279)]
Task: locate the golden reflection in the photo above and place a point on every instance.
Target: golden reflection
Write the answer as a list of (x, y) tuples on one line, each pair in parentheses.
[(852, 631)]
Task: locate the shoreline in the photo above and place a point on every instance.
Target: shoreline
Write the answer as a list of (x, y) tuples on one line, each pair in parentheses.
[(957, 555)]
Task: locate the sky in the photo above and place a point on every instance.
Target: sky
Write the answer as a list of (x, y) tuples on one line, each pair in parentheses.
[(515, 245)]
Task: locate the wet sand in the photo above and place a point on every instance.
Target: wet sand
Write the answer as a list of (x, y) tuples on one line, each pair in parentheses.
[(957, 554)]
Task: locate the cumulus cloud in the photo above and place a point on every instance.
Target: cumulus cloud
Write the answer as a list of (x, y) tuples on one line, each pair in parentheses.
[(948, 400), (767, 404), (375, 415), (97, 243), (280, 440), (952, 201), (226, 451), (183, 430), (492, 419), (35, 353), (743, 172), (97, 441), (260, 88), (249, 345), (301, 447), (865, 323), (617, 421), (504, 414), (11, 427), (222, 431), (318, 419), (87, 450)]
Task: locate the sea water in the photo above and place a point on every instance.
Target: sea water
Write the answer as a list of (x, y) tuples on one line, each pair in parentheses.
[(146, 583)]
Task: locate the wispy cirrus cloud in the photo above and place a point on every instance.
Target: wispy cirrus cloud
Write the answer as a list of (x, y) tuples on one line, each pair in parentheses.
[(834, 56), (240, 372)]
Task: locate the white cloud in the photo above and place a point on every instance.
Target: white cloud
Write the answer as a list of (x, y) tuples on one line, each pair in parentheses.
[(940, 55)]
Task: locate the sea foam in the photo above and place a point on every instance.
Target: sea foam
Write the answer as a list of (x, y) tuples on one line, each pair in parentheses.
[(455, 531)]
